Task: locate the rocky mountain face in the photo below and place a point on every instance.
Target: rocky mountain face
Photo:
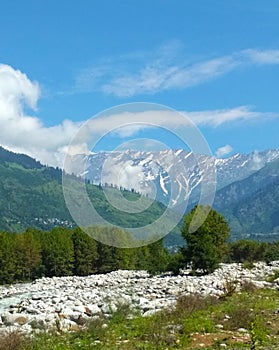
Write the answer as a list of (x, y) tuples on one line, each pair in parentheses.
[(31, 195), (157, 173), (246, 184)]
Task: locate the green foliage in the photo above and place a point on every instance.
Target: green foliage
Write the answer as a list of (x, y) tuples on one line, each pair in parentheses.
[(157, 258), (258, 332), (272, 252), (7, 258), (24, 180), (206, 246), (176, 262), (28, 255), (64, 252), (85, 253), (198, 322), (248, 265), (273, 277), (58, 252), (247, 251)]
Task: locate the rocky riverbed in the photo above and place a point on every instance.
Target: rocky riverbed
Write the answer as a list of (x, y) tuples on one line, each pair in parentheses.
[(67, 303)]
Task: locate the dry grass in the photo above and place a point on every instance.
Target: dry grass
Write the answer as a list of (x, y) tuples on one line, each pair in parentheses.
[(14, 340)]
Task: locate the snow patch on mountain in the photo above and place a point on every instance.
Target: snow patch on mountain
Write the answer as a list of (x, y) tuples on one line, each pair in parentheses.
[(170, 175)]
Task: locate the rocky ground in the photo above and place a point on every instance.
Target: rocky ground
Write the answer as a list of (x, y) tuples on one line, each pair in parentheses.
[(67, 303)]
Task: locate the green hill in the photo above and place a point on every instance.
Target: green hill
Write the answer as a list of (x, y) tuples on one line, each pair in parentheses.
[(252, 205), (31, 195)]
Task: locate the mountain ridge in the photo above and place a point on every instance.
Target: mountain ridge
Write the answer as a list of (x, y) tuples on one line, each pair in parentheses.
[(34, 197), (31, 193), (176, 171)]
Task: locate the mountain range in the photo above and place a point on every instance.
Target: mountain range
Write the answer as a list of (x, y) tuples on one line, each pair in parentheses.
[(246, 184), (31, 195), (247, 188)]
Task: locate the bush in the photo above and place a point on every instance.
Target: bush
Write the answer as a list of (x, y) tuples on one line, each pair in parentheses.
[(247, 251)]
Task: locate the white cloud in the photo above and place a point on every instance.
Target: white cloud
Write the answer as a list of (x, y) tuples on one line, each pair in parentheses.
[(223, 151), (263, 56), (166, 69), (152, 79), (20, 132), (215, 118)]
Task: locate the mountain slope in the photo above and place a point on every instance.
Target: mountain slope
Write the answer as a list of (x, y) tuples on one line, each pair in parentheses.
[(170, 176), (31, 194), (34, 197), (252, 205), (247, 185)]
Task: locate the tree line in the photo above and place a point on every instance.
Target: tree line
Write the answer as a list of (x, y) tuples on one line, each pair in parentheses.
[(65, 252), (208, 246)]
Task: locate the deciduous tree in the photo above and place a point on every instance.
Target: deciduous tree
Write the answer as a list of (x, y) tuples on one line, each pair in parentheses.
[(207, 245)]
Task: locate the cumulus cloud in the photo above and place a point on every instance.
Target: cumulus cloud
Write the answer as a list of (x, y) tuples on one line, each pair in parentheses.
[(223, 151), (21, 132)]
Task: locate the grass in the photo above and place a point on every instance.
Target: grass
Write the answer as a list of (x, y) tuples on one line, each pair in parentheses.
[(273, 277), (194, 323)]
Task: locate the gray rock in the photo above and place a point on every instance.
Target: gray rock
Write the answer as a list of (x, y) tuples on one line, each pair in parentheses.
[(94, 309), (10, 319)]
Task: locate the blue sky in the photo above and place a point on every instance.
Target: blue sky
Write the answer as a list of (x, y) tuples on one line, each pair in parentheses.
[(64, 61)]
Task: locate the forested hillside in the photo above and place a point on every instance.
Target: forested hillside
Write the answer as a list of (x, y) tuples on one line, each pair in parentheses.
[(31, 195), (251, 205)]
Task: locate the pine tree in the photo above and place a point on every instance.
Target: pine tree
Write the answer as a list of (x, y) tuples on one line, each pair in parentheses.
[(7, 258), (58, 252), (85, 253), (28, 256)]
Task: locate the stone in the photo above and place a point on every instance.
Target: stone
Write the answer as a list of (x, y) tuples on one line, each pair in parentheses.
[(79, 299), (21, 320), (37, 324), (81, 321), (79, 308), (94, 309), (10, 319), (149, 313), (219, 326), (242, 330)]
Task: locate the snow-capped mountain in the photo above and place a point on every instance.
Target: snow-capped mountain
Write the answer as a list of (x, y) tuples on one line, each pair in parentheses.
[(170, 176)]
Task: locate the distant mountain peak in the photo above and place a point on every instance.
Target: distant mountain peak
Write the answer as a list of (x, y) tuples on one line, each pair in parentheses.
[(169, 173)]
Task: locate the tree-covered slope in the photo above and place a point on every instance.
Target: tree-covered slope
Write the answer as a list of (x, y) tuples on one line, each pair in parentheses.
[(252, 205), (32, 195)]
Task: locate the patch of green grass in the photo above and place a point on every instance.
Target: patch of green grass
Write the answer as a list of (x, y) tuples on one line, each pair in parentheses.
[(191, 322), (273, 277), (199, 322), (249, 265)]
